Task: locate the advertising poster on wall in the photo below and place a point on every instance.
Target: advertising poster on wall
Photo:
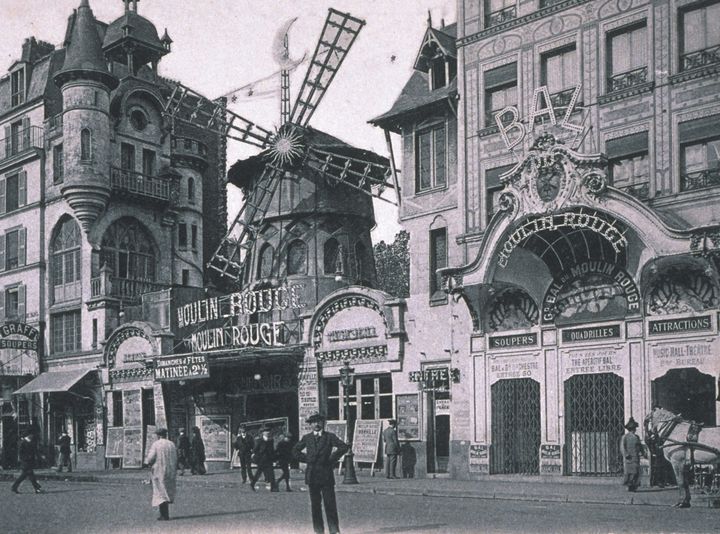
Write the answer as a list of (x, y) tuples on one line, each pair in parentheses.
[(407, 413), (215, 432), (115, 438), (132, 408), (366, 440), (132, 447)]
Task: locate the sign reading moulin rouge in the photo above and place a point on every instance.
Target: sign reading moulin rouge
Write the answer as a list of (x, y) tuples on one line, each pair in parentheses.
[(19, 329), (181, 367)]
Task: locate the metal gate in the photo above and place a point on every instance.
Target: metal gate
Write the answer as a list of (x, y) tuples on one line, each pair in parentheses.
[(515, 426), (593, 424)]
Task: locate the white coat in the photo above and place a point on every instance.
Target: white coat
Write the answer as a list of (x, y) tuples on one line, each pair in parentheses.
[(162, 456)]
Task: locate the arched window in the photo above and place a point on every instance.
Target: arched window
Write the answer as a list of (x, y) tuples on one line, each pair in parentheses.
[(331, 256), (65, 260), (128, 250), (85, 144), (265, 262), (297, 258), (191, 190), (363, 266)]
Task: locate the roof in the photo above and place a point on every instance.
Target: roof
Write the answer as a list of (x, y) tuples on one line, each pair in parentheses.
[(139, 29), (444, 38), (54, 382)]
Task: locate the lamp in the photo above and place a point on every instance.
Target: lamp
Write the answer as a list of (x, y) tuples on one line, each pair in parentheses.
[(347, 378)]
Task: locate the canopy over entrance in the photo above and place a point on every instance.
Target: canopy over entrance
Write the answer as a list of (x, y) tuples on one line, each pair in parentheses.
[(54, 382)]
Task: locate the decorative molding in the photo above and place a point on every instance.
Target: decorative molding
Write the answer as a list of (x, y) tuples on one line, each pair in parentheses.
[(627, 130), (131, 373), (623, 94), (693, 74)]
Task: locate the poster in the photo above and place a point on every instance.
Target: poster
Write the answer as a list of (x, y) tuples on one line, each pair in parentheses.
[(479, 458), (132, 408), (150, 438), (132, 447), (160, 417), (215, 433), (366, 440), (115, 438), (339, 428), (407, 414)]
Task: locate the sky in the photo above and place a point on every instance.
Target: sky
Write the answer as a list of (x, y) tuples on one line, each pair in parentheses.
[(221, 45)]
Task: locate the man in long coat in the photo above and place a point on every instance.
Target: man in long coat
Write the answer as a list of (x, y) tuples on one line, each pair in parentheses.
[(244, 445), (392, 448), (28, 460), (64, 459), (264, 456), (320, 459), (631, 449), (162, 456)]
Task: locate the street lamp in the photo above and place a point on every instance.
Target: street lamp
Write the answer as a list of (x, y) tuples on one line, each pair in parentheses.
[(347, 377)]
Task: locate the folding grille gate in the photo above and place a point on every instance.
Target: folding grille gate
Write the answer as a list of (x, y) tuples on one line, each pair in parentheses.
[(515, 426), (593, 424)]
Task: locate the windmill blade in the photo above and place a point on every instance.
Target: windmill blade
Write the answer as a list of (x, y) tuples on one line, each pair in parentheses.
[(368, 177), (337, 36), (190, 107), (231, 257)]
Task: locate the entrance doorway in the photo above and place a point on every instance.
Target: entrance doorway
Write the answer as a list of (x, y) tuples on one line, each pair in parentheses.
[(687, 392), (515, 426), (593, 424), (438, 432)]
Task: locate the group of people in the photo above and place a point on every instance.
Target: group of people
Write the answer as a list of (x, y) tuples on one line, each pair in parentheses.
[(265, 455), (191, 452)]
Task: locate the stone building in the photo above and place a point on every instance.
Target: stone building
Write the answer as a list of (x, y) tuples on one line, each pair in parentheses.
[(578, 244)]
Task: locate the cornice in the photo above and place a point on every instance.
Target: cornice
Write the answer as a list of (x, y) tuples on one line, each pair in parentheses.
[(626, 93)]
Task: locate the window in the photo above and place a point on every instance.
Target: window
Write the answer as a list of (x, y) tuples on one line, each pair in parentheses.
[(94, 333), (431, 159), (186, 277), (333, 399), (182, 235), (627, 58), (699, 153), (127, 157), (438, 260), (13, 191), (629, 164), (58, 167), (17, 87), (372, 393), (560, 75), (138, 120), (332, 261), (85, 145), (493, 187), (700, 36), (442, 71), (194, 236), (500, 91), (117, 403), (148, 162), (265, 263), (65, 332), (15, 303), (191, 190), (363, 266), (65, 258), (129, 250), (297, 258), (148, 407), (12, 249), (499, 11)]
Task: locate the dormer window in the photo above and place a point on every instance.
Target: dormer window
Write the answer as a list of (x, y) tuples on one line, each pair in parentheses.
[(438, 58), (17, 87), (438, 75)]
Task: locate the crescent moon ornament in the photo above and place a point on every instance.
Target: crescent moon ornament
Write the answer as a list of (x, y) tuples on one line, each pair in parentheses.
[(280, 51)]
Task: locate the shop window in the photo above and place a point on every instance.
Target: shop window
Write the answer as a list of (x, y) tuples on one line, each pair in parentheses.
[(500, 91), (127, 157), (627, 57), (438, 260), (13, 191), (699, 153), (331, 257), (431, 159), (58, 166), (65, 332), (297, 258), (85, 145), (12, 249), (700, 36), (499, 11), (17, 87), (65, 261), (117, 408), (148, 162), (372, 393), (559, 73), (182, 235), (629, 164), (493, 188), (191, 190), (194, 236), (333, 399), (265, 263)]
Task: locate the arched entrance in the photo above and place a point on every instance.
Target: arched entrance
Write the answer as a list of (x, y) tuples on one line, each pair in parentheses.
[(593, 424), (687, 392), (515, 426)]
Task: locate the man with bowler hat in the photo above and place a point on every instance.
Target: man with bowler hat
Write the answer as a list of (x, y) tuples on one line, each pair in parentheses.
[(320, 459), (244, 446), (28, 459), (631, 449), (264, 455), (392, 448)]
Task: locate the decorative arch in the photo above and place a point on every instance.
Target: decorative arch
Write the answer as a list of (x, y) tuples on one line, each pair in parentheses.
[(331, 256), (129, 250), (512, 308), (681, 286)]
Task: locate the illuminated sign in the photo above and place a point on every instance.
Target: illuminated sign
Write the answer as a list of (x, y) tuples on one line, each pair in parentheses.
[(249, 335), (435, 379)]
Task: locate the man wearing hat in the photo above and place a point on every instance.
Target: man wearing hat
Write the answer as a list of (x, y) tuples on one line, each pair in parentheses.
[(263, 455), (392, 448), (28, 458), (244, 446), (162, 456), (283, 453), (322, 451), (631, 449)]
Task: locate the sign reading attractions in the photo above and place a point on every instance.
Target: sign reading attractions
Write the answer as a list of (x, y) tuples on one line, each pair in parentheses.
[(169, 368), (688, 324)]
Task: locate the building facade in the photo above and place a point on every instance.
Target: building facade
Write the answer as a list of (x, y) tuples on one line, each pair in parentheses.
[(577, 245)]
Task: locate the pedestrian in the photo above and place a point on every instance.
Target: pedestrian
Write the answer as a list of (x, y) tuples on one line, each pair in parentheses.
[(320, 459), (64, 458), (183, 452), (283, 453), (244, 445), (661, 471), (264, 455), (162, 456), (197, 453), (631, 449), (408, 457), (28, 454), (392, 448)]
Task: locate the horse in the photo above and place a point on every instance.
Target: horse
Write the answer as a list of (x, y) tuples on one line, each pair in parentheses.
[(683, 443)]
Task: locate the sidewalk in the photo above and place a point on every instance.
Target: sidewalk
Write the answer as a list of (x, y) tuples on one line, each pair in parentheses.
[(521, 488)]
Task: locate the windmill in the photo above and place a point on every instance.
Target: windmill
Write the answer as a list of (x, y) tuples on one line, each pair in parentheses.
[(293, 147)]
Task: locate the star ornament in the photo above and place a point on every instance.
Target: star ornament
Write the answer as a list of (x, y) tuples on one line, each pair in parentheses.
[(286, 147)]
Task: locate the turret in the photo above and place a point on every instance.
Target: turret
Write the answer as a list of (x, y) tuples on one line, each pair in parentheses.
[(85, 83)]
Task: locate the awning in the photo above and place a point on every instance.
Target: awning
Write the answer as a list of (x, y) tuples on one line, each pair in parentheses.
[(54, 382)]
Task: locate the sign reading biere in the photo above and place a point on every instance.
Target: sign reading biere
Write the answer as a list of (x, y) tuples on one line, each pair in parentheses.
[(181, 367)]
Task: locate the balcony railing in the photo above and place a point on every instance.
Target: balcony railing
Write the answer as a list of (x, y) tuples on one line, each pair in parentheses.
[(548, 3), (21, 141), (625, 80), (641, 191), (500, 16), (185, 146), (700, 58), (122, 288), (562, 99), (700, 179), (140, 184), (54, 124)]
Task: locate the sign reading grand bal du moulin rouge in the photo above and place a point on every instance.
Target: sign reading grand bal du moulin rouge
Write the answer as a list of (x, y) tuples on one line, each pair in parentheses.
[(242, 303)]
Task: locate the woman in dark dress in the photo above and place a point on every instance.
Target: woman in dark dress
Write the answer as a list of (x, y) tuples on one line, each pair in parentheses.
[(197, 453)]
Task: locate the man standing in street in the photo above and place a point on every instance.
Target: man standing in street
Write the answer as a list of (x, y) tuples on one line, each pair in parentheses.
[(28, 458), (631, 449), (320, 459), (64, 459), (264, 456), (244, 445), (162, 456), (392, 448), (283, 453), (183, 452)]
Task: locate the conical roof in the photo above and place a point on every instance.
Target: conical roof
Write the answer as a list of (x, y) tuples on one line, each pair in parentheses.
[(84, 56)]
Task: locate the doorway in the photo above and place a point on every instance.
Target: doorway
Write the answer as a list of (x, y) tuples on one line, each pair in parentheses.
[(438, 438), (687, 392)]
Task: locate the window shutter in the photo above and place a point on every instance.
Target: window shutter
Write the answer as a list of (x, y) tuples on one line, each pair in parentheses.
[(627, 145), (2, 252), (21, 303), (22, 188), (26, 132), (22, 236), (2, 195), (8, 141), (2, 301), (699, 129), (506, 74)]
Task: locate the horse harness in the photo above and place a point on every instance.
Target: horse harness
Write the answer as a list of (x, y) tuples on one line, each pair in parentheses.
[(665, 429)]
